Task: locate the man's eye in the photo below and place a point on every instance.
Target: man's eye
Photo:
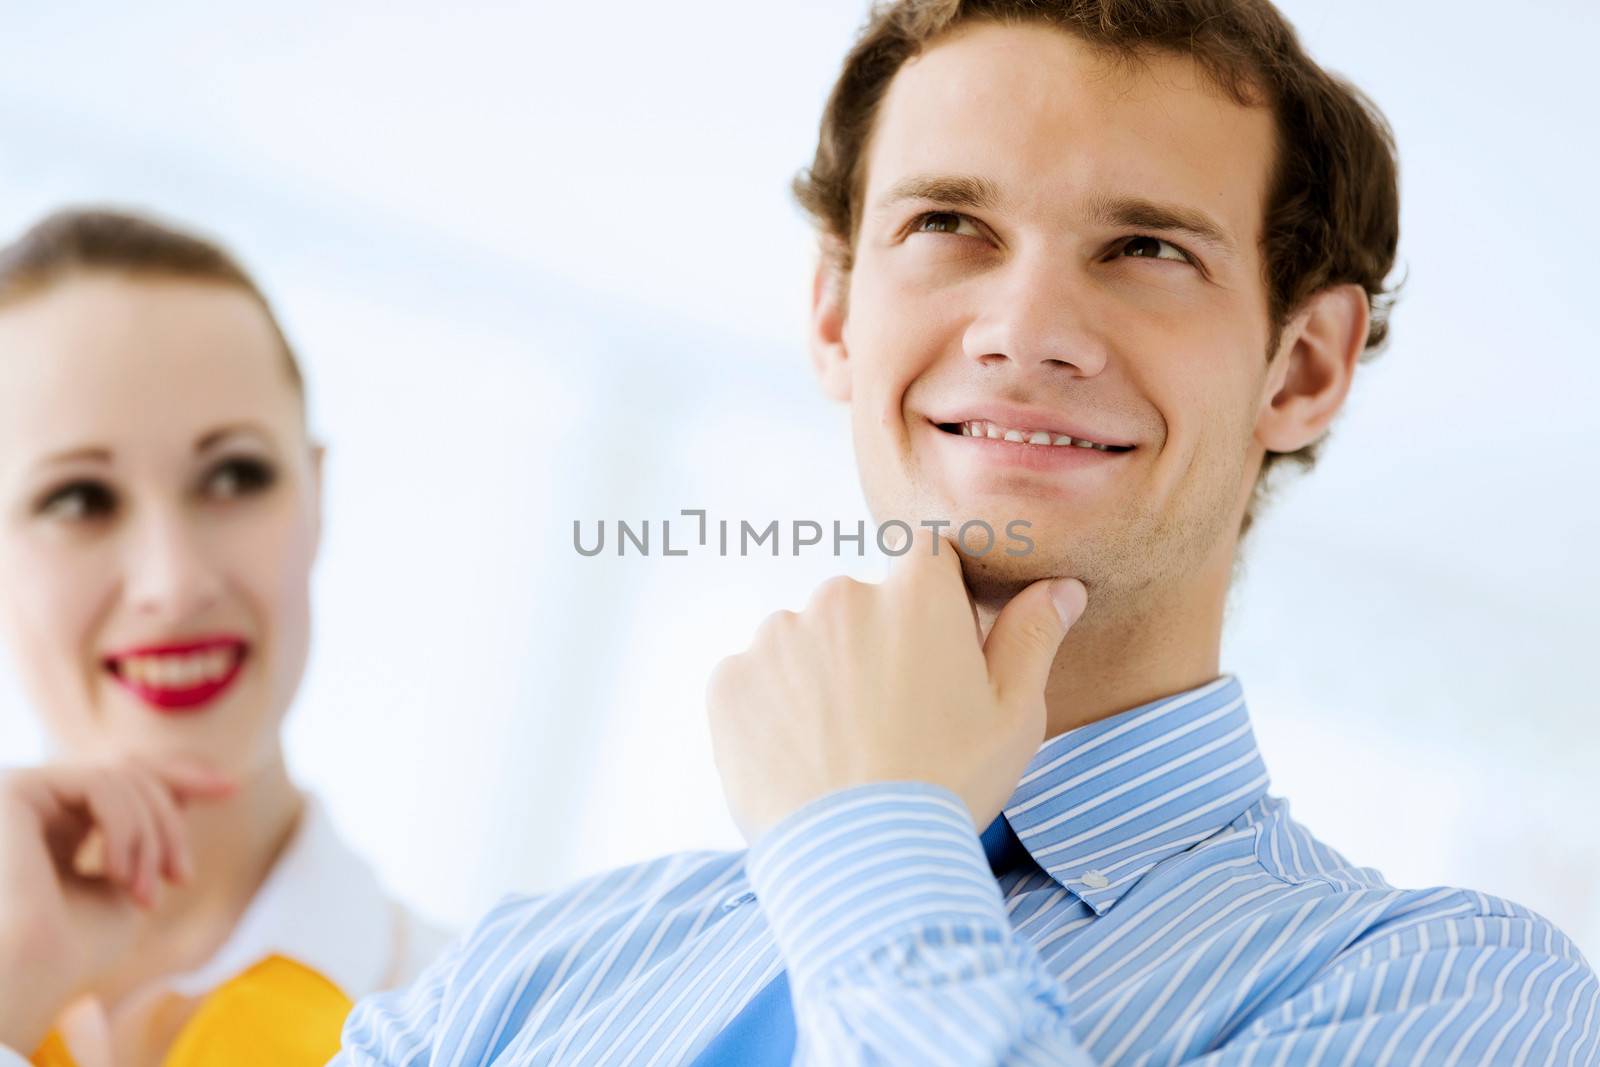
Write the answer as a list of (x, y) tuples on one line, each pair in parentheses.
[(78, 502), (943, 222), (239, 477), (1151, 249)]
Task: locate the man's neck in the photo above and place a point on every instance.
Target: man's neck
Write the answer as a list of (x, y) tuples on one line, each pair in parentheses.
[(1109, 667), (1130, 652)]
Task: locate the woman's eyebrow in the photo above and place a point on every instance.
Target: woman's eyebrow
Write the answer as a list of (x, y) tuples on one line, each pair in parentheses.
[(102, 454), (89, 453), (212, 438)]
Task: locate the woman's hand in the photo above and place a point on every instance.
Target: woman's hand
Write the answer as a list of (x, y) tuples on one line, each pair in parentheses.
[(84, 850)]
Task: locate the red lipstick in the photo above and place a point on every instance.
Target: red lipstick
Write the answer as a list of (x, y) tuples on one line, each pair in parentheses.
[(182, 677)]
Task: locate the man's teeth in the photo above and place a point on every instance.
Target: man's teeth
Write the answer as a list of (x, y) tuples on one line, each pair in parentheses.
[(980, 428), (177, 672)]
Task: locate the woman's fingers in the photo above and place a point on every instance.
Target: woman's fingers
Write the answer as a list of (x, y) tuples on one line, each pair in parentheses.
[(187, 780), (176, 864), (175, 783), (126, 815), (106, 799), (156, 791), (148, 846), (136, 807)]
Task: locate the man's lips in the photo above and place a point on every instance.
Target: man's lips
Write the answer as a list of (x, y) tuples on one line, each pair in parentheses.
[(1003, 422), (990, 431), (983, 457), (180, 676)]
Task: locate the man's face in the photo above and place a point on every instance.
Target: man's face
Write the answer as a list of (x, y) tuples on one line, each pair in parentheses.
[(993, 286)]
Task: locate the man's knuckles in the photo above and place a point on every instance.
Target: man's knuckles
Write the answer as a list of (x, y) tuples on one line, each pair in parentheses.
[(839, 596)]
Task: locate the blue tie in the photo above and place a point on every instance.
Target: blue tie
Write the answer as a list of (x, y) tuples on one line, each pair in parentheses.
[(762, 1035)]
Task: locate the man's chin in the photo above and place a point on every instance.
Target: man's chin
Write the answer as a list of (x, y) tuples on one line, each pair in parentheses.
[(996, 576), (1008, 544)]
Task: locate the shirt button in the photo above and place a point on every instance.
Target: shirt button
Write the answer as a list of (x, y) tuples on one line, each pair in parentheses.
[(1095, 880), (737, 900)]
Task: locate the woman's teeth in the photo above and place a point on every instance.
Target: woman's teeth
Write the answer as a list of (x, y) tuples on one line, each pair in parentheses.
[(980, 428), (177, 672)]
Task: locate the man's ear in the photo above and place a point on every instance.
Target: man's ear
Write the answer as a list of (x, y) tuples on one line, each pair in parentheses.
[(1312, 371), (829, 357)]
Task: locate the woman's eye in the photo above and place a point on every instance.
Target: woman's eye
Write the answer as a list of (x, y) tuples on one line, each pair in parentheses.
[(1152, 247), (238, 477), (944, 222), (77, 502)]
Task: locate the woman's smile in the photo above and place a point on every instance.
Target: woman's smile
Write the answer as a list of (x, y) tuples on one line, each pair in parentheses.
[(180, 677)]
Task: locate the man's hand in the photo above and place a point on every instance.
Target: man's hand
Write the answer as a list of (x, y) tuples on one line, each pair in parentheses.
[(889, 682)]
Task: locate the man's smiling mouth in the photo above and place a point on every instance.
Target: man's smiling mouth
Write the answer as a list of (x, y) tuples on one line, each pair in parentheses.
[(995, 432)]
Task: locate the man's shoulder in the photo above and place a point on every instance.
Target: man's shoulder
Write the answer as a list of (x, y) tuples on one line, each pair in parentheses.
[(673, 881), (1291, 853), (1396, 918), (1450, 919)]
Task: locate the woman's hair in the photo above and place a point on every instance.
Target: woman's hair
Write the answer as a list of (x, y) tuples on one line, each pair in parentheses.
[(1333, 200), (75, 241)]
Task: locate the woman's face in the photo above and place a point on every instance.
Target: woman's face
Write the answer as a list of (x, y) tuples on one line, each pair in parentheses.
[(159, 516)]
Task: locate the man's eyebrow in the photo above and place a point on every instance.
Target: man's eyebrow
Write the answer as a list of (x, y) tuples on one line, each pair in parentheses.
[(1106, 210), (954, 189), (1140, 213)]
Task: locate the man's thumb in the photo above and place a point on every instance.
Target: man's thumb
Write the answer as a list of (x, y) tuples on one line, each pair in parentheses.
[(1023, 641)]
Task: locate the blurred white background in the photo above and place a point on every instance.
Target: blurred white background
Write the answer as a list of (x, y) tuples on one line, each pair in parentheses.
[(541, 265)]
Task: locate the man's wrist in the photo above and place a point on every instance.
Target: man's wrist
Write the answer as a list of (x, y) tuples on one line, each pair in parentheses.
[(854, 870)]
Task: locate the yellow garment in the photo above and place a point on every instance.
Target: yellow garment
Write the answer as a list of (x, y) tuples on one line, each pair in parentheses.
[(279, 1013)]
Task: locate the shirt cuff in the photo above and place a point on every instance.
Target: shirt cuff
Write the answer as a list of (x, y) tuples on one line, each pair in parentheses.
[(847, 874), (12, 1058)]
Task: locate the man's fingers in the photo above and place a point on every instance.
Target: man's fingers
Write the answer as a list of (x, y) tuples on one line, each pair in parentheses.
[(932, 566), (930, 550), (1026, 636)]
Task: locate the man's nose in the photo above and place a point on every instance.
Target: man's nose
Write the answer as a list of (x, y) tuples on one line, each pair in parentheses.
[(168, 574), (1038, 316)]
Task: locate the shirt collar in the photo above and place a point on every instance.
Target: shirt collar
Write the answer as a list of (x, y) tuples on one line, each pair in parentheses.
[(320, 906), (1102, 804)]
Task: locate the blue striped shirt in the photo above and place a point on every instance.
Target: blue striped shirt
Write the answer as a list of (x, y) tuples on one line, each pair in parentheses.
[(1173, 913)]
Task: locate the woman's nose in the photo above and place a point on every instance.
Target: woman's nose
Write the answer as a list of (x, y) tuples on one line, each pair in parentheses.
[(168, 575)]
